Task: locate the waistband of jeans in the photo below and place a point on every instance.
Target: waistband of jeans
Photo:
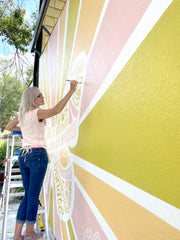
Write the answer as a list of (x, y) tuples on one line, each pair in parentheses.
[(28, 149)]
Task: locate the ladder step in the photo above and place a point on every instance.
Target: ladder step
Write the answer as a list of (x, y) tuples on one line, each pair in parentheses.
[(9, 197), (16, 184), (41, 211), (12, 215), (14, 158), (19, 144), (12, 211), (15, 170), (18, 194), (16, 176)]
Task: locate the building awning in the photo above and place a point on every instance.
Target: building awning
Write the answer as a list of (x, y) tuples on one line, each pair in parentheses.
[(49, 13)]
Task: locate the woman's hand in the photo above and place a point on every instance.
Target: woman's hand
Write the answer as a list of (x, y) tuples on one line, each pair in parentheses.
[(47, 113), (73, 85)]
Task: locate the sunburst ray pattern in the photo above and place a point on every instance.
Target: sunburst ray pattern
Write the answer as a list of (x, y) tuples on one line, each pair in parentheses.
[(114, 150)]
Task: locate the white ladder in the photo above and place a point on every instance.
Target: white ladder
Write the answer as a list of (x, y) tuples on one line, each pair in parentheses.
[(13, 180)]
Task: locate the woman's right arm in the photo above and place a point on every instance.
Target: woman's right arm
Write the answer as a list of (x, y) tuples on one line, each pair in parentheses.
[(47, 113), (12, 125)]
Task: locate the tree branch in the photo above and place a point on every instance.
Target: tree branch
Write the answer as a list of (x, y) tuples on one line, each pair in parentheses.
[(8, 34)]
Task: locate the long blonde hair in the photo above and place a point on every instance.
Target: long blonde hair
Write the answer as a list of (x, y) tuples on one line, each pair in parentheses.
[(27, 101)]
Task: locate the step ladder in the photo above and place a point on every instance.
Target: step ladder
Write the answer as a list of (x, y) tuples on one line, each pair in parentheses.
[(12, 183)]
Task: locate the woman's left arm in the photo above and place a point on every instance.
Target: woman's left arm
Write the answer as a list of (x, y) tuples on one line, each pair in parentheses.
[(12, 125)]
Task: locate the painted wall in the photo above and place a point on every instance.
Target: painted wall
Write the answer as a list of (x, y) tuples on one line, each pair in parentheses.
[(114, 169)]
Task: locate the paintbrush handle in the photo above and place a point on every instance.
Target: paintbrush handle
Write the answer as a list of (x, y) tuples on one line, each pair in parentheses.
[(71, 80)]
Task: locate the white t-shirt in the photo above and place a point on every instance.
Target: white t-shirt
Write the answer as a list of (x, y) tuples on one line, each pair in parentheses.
[(33, 131)]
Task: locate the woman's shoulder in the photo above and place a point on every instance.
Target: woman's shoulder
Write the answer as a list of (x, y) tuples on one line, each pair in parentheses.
[(35, 110), (32, 113)]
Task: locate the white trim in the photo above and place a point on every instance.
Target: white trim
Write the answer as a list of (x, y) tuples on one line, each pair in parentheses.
[(98, 26), (59, 30), (64, 43), (75, 33), (74, 231), (147, 22), (163, 210), (67, 230), (102, 222)]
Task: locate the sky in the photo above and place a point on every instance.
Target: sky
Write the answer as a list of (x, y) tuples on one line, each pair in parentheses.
[(30, 6)]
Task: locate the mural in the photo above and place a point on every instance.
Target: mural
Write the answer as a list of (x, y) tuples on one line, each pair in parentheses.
[(114, 169)]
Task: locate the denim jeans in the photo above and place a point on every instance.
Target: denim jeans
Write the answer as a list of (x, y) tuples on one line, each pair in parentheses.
[(33, 165)]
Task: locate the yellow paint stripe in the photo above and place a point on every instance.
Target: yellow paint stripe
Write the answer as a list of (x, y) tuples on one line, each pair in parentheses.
[(44, 76), (61, 48), (88, 21), (71, 232), (133, 131), (73, 13), (64, 230), (50, 217), (127, 219)]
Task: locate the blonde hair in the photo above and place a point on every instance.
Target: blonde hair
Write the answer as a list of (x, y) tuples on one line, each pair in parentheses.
[(27, 101)]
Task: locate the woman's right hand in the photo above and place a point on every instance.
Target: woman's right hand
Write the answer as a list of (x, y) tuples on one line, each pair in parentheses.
[(73, 85)]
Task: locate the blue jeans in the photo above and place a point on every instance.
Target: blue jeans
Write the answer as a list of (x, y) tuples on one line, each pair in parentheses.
[(33, 165)]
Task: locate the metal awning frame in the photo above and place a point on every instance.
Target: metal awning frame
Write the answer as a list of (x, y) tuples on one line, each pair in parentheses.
[(36, 43), (42, 13)]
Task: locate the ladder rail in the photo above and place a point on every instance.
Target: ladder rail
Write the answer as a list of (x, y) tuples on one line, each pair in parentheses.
[(8, 184), (5, 174), (6, 202)]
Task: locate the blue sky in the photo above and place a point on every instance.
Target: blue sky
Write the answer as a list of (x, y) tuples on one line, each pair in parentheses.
[(30, 6)]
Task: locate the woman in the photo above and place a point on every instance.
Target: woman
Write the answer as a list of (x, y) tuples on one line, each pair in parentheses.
[(33, 157)]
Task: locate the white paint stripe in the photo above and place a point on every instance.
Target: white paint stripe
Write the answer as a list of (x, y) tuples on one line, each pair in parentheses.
[(163, 210), (67, 230), (75, 33), (61, 230), (96, 32), (147, 22), (98, 27), (58, 37), (105, 227), (50, 99), (57, 69), (48, 196), (64, 44), (74, 231)]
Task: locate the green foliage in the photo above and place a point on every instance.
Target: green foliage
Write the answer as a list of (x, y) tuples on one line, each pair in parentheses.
[(29, 74), (2, 153), (13, 27), (17, 32), (11, 90)]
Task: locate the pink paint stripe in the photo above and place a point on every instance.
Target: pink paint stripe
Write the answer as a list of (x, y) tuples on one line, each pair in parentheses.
[(56, 220), (48, 190), (119, 22), (53, 62), (84, 221)]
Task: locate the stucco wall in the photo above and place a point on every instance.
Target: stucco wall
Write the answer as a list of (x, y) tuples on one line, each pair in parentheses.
[(114, 169)]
